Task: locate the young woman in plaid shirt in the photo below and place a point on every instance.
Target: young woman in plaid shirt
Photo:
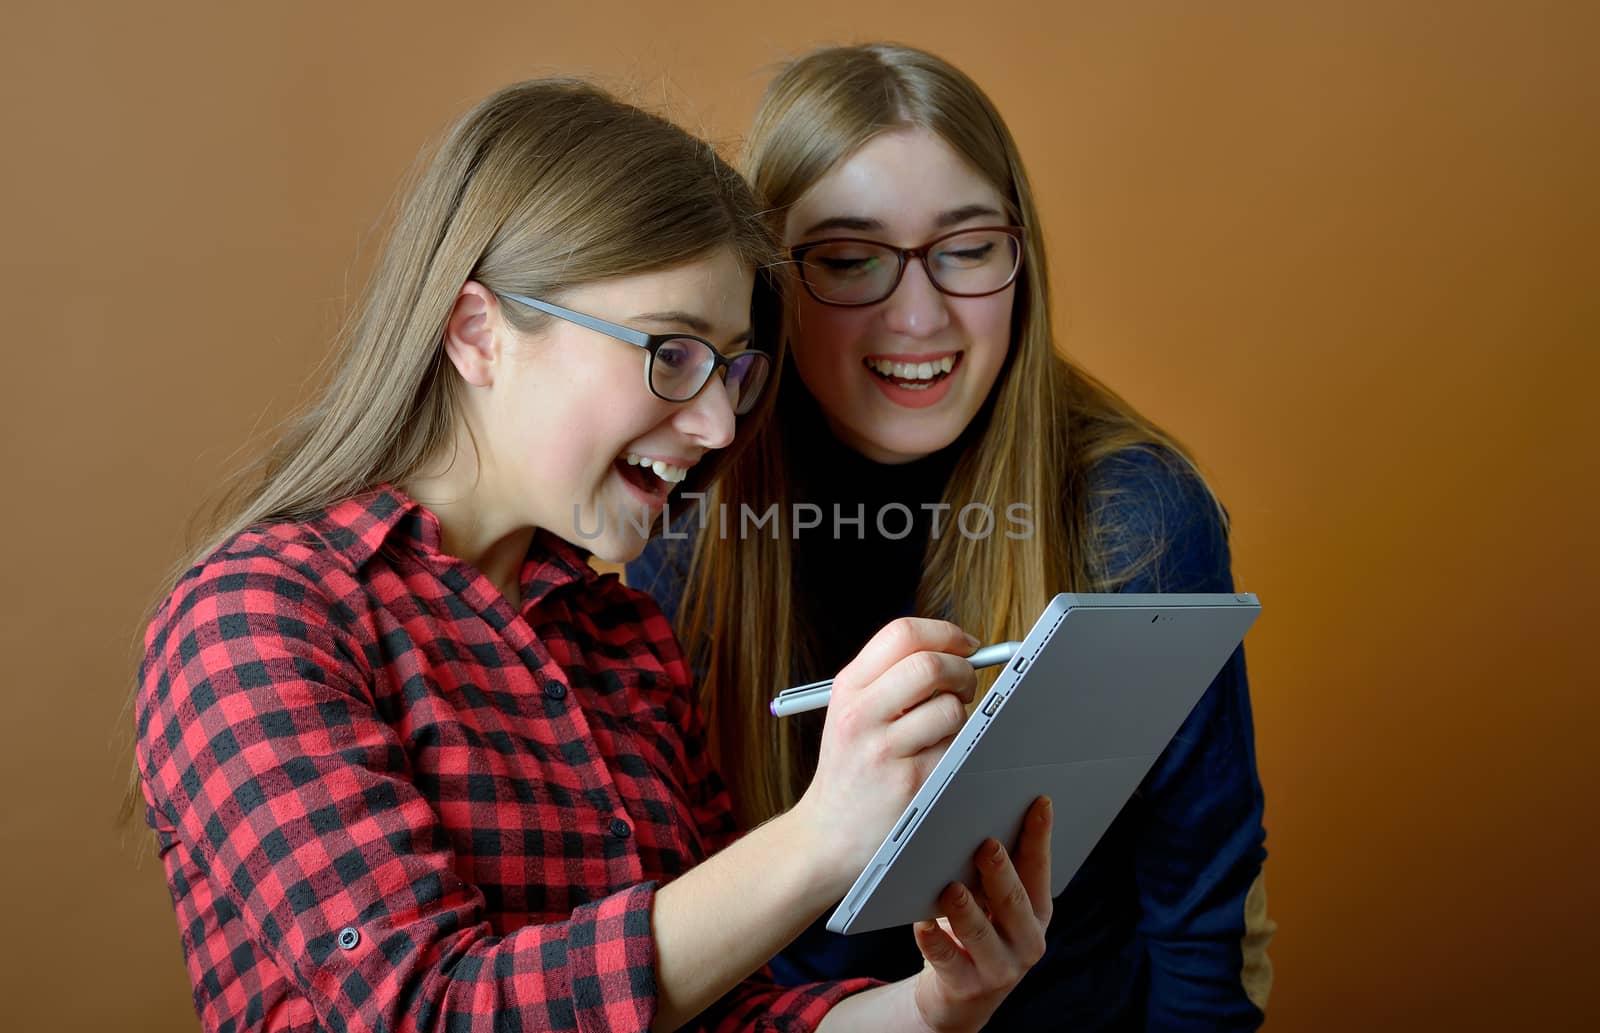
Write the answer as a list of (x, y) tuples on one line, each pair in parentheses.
[(410, 762)]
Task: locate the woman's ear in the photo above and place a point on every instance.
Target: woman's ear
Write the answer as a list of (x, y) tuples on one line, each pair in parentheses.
[(472, 336)]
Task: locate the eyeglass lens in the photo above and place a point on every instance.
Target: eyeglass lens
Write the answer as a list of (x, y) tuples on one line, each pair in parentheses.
[(860, 272), (682, 365)]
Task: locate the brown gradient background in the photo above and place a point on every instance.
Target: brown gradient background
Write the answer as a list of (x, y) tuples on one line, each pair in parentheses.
[(1346, 251)]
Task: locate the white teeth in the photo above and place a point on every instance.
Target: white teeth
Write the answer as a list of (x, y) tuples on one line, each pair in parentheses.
[(912, 370), (670, 474), (666, 471)]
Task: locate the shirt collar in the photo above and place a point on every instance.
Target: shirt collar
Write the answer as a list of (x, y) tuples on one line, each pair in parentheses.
[(359, 527), (551, 563)]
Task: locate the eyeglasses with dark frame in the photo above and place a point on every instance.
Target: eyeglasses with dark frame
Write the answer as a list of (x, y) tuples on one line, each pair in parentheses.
[(677, 366), (852, 271)]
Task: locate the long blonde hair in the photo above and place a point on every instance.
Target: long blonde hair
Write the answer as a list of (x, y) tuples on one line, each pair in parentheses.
[(1044, 428), (543, 187)]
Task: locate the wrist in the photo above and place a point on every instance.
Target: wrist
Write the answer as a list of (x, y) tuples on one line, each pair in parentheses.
[(891, 1008), (915, 987), (805, 839)]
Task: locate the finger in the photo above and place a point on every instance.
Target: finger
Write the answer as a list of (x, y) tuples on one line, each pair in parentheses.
[(1010, 907), (899, 639), (1033, 856), (931, 722), (978, 937), (949, 962), (918, 678), (924, 762), (938, 947), (983, 905)]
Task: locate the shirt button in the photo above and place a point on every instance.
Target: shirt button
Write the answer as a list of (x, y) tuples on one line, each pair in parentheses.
[(555, 690), (620, 829), (348, 938)]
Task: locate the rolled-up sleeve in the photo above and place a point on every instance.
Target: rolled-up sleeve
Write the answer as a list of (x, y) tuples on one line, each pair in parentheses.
[(273, 779), (758, 1003)]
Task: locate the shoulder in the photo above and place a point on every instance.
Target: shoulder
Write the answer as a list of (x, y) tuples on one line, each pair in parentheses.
[(289, 551), (1157, 527), (279, 579), (252, 617)]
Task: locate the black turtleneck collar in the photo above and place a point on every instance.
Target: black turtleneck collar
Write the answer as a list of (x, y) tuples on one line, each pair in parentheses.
[(853, 578), (826, 469)]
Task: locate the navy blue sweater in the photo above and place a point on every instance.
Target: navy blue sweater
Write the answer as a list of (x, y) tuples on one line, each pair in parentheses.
[(1150, 934)]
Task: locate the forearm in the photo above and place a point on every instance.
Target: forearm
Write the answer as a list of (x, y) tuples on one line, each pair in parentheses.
[(725, 918), (883, 1009)]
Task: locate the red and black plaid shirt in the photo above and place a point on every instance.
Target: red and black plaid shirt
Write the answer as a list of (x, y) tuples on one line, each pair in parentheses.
[(385, 800)]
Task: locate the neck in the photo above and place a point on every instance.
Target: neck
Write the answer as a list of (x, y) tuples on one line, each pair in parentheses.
[(834, 460), (474, 525)]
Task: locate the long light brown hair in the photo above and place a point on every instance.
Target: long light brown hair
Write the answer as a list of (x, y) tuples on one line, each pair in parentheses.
[(1042, 431), (545, 186)]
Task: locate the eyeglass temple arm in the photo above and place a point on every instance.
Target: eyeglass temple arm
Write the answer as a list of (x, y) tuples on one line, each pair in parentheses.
[(637, 338)]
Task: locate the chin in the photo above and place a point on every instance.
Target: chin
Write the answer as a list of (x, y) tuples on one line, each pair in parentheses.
[(905, 445), (618, 545), (615, 550)]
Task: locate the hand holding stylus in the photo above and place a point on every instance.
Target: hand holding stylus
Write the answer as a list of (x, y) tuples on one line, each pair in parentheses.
[(816, 695), (895, 709)]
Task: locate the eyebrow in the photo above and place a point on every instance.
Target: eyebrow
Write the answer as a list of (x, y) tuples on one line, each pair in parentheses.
[(678, 318), (944, 220)]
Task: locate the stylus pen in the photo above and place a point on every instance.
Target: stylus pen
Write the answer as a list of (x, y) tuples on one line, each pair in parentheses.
[(815, 696)]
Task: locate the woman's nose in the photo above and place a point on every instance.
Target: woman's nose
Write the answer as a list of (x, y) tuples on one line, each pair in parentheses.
[(708, 416), (916, 308)]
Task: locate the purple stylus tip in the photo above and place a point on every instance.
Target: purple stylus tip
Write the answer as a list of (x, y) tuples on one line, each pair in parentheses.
[(772, 708)]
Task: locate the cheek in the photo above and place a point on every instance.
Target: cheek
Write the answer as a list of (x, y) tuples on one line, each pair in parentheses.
[(827, 338), (554, 430), (986, 325), (562, 451)]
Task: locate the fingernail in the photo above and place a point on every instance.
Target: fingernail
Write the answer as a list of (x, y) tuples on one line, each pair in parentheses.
[(971, 640), (959, 897), (1044, 810), (991, 852)]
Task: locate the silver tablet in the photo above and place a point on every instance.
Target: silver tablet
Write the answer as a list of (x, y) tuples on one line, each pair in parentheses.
[(1080, 714)]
